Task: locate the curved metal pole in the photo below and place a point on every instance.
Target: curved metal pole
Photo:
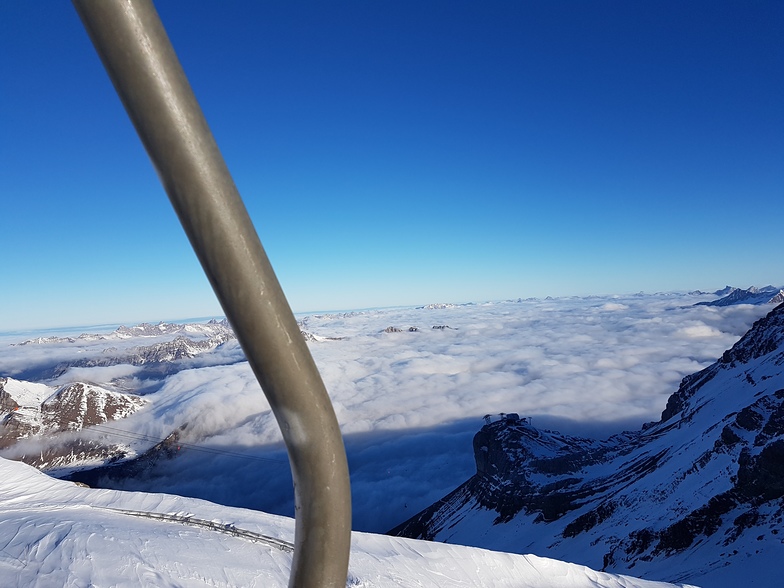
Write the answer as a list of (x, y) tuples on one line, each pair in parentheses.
[(149, 79)]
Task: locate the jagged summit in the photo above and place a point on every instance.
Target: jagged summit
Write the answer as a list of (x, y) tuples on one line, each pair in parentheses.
[(724, 291), (751, 295), (703, 484)]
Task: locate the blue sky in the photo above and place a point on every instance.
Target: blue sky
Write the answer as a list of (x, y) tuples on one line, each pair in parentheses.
[(401, 153)]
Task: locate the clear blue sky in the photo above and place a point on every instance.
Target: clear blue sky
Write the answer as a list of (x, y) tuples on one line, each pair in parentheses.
[(406, 152)]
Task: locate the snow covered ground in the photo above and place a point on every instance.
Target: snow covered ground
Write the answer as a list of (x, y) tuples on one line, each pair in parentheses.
[(54, 534)]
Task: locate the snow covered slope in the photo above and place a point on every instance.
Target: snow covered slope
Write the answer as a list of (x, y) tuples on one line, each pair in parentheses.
[(696, 496), (54, 533)]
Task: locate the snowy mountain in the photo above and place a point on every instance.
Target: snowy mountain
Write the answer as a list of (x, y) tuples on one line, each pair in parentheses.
[(730, 296), (209, 329), (31, 409), (166, 352), (724, 291), (163, 348), (37, 412), (696, 494), (171, 345), (60, 534)]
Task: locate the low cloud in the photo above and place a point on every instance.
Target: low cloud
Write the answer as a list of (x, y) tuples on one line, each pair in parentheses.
[(613, 306), (409, 402), (699, 330), (99, 375)]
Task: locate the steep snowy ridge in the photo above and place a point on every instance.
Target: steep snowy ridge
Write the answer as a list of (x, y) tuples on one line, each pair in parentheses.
[(15, 394), (698, 494)]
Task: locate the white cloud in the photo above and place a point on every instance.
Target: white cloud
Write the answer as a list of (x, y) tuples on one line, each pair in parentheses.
[(98, 374), (410, 402), (699, 330), (614, 306)]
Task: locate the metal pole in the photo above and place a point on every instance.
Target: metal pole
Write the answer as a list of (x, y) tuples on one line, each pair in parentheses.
[(149, 79)]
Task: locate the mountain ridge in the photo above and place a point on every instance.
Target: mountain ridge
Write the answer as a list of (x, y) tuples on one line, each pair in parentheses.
[(752, 295), (45, 416)]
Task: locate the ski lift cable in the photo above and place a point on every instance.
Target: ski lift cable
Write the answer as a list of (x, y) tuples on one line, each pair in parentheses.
[(191, 446), (138, 57)]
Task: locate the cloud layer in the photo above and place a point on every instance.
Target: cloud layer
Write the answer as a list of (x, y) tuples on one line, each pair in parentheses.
[(410, 401)]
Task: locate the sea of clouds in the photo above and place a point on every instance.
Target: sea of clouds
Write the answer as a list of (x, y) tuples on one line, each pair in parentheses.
[(410, 401)]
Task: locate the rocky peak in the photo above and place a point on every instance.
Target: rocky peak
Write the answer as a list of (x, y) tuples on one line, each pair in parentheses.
[(37, 410), (512, 447), (79, 405)]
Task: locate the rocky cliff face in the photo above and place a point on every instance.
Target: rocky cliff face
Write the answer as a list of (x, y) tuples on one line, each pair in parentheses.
[(40, 424), (700, 488)]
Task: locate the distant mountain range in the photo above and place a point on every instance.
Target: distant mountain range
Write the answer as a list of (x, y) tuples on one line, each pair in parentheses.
[(699, 490), (176, 342), (211, 328), (729, 296)]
